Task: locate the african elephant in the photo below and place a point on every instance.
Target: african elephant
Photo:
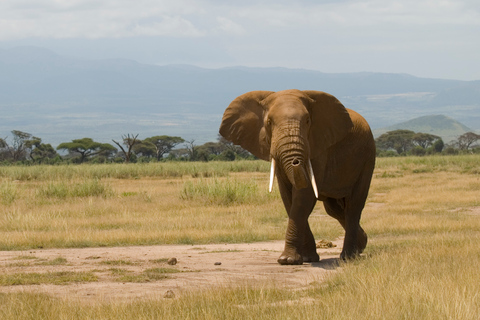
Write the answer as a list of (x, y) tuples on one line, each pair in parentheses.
[(319, 151)]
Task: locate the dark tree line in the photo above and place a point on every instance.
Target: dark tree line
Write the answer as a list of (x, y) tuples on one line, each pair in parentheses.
[(407, 142), (26, 148)]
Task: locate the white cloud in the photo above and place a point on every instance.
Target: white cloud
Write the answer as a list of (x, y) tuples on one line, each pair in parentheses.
[(229, 27), (414, 36), (189, 18), (96, 19), (168, 26), (363, 13)]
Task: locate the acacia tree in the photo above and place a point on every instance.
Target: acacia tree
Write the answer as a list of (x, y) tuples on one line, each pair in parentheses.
[(400, 140), (86, 148), (230, 148), (129, 142), (42, 152), (424, 140), (144, 148), (208, 150), (162, 144), (467, 140), (22, 147), (18, 148), (26, 146), (220, 150)]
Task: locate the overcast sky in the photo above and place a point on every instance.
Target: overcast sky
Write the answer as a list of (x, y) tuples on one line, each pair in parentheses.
[(426, 38)]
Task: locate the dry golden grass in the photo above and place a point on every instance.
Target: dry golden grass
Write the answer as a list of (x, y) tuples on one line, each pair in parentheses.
[(422, 217), (412, 200), (81, 212)]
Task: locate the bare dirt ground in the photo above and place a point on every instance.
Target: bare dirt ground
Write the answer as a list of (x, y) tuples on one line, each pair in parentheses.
[(200, 267)]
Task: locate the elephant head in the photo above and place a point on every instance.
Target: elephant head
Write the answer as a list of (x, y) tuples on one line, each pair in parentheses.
[(288, 128)]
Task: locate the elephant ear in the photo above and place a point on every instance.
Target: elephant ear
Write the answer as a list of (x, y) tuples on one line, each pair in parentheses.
[(331, 122), (242, 123)]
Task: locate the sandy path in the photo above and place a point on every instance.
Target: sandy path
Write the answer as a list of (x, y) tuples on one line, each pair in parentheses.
[(240, 264)]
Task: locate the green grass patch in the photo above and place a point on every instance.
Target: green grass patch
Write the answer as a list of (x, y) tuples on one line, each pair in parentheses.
[(55, 262), (26, 257), (148, 275), (57, 278), (118, 263)]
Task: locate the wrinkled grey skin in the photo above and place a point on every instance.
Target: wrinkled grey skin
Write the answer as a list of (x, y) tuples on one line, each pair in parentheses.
[(294, 128)]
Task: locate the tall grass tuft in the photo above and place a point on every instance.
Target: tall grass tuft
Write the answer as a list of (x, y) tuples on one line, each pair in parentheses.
[(91, 188), (223, 191), (8, 192), (86, 188), (163, 170)]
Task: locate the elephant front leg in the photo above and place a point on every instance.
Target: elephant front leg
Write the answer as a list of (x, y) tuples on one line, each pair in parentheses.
[(293, 243), (309, 250), (299, 241)]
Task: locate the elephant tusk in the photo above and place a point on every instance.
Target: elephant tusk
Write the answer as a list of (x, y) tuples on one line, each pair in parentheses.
[(272, 175), (312, 178)]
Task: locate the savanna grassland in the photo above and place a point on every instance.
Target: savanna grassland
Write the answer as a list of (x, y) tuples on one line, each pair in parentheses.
[(422, 218)]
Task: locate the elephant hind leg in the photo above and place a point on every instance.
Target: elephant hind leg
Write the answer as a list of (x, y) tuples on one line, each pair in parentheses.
[(336, 208)]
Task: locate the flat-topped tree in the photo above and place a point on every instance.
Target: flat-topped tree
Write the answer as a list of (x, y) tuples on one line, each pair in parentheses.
[(162, 144), (86, 148), (400, 140)]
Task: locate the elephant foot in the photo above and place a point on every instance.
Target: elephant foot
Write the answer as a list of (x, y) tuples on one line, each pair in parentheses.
[(347, 255), (353, 251), (290, 259)]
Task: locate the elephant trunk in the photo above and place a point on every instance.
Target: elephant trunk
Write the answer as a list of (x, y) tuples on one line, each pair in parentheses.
[(298, 175), (291, 152)]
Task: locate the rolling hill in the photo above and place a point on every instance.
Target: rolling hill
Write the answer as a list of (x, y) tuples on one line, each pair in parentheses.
[(445, 127)]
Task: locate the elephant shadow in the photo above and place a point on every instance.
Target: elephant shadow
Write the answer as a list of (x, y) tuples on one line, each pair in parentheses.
[(327, 263)]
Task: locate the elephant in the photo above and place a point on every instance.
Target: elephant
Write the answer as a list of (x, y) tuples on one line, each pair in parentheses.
[(319, 150)]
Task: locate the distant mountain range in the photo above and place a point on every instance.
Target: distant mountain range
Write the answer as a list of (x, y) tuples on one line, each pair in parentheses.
[(60, 98)]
